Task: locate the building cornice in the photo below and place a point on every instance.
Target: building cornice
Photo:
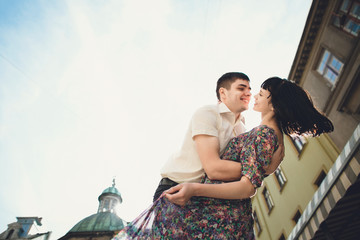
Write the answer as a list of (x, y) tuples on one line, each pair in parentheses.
[(307, 40)]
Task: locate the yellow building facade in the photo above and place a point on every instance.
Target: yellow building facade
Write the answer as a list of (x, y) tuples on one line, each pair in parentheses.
[(315, 193), (286, 193)]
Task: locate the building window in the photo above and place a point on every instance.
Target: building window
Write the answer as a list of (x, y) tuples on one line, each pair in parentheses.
[(299, 142), (268, 199), (282, 237), (348, 17), (350, 103), (296, 216), (330, 67), (257, 223), (320, 178), (106, 205), (280, 177), (11, 232)]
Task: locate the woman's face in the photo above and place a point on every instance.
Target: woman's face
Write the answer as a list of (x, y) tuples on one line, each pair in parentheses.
[(263, 101)]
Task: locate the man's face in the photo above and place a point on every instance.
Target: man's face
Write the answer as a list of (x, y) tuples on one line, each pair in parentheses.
[(237, 98)]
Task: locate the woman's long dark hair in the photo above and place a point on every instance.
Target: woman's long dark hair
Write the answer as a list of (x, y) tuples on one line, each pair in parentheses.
[(294, 109)]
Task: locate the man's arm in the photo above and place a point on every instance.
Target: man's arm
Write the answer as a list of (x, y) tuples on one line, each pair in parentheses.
[(180, 194), (215, 168)]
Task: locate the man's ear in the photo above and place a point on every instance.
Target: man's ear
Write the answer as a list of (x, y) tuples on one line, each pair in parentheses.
[(222, 92)]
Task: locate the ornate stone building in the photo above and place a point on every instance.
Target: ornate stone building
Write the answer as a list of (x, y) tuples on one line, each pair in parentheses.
[(102, 225), (25, 228)]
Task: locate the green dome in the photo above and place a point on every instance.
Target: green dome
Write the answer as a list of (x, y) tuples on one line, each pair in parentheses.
[(112, 190), (103, 221)]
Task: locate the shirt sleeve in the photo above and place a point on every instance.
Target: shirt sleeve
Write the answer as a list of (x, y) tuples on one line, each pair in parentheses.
[(256, 154), (204, 121)]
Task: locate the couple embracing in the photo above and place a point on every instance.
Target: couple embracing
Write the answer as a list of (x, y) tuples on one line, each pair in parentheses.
[(206, 187)]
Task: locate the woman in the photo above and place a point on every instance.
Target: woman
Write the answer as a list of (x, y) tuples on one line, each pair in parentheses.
[(217, 210)]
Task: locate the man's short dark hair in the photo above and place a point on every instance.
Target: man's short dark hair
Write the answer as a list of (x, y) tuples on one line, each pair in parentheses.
[(227, 79)]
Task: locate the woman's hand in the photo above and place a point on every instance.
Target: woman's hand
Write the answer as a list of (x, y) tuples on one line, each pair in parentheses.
[(181, 193)]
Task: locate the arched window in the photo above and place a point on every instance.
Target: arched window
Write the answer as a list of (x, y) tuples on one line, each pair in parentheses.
[(10, 234)]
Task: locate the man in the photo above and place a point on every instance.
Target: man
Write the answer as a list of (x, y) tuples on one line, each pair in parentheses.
[(210, 130)]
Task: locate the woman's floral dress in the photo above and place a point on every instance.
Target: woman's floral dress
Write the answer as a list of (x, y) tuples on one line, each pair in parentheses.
[(211, 218)]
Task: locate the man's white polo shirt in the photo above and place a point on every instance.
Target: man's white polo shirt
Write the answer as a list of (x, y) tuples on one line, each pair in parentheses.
[(214, 120)]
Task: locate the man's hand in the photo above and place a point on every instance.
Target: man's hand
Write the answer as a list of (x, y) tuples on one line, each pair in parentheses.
[(180, 194)]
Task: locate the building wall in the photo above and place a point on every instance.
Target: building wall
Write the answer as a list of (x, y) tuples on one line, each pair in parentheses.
[(340, 102), (326, 97), (301, 171)]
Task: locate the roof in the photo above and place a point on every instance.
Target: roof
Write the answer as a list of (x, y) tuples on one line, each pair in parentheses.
[(45, 235), (112, 191), (35, 219), (99, 222)]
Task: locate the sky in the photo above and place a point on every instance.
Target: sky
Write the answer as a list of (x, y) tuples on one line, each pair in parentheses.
[(93, 90)]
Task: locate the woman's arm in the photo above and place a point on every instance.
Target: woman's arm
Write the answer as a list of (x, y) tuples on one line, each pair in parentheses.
[(255, 154), (180, 194)]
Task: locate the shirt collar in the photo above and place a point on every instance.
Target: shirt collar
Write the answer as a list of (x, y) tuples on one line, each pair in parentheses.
[(224, 109)]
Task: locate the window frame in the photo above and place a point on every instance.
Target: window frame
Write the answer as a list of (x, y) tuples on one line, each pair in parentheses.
[(257, 223), (10, 234), (282, 237), (299, 142), (320, 178), (328, 67), (268, 199), (346, 19), (296, 217), (280, 178), (348, 102)]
